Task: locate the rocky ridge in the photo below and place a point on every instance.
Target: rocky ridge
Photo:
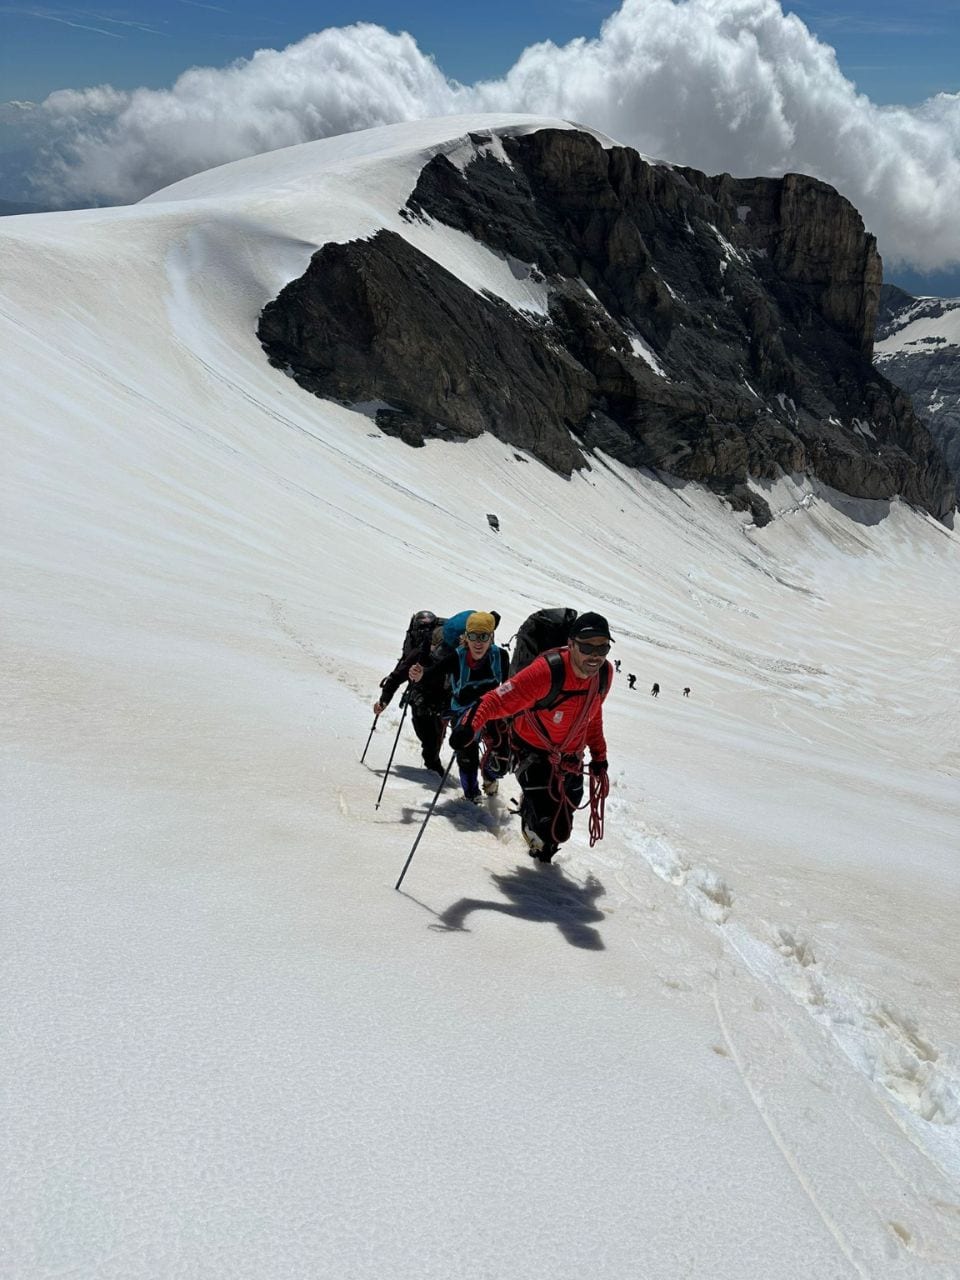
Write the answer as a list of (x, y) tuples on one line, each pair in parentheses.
[(714, 328)]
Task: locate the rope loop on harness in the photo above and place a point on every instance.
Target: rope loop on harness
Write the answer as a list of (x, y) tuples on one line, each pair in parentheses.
[(561, 767), (599, 790)]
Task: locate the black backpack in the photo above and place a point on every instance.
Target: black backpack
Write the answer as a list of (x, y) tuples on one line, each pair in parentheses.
[(545, 632)]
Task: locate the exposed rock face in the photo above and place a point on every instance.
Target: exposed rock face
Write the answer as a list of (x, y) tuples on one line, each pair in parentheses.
[(376, 320), (715, 328), (918, 348)]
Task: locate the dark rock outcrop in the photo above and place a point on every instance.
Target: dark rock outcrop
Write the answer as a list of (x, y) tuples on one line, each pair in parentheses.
[(376, 320), (924, 362), (715, 328)]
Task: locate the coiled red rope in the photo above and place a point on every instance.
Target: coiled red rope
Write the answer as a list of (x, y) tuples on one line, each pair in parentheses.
[(599, 790)]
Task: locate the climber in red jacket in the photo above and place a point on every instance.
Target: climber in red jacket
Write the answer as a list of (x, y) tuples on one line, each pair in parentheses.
[(557, 705)]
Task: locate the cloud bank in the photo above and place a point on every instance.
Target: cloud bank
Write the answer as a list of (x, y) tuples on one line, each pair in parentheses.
[(722, 85)]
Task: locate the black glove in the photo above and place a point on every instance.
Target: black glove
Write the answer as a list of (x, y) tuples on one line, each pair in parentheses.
[(462, 734), (598, 767)]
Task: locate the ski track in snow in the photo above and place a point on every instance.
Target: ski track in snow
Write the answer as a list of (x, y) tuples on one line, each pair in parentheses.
[(883, 1044)]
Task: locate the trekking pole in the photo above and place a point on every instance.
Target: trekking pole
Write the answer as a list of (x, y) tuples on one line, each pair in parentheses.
[(373, 729), (404, 703), (423, 825)]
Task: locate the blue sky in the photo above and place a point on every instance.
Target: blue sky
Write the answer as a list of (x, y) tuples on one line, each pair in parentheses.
[(895, 53)]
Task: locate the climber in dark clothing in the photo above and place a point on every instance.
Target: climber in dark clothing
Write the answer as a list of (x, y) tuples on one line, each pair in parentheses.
[(473, 669), (426, 705), (631, 681)]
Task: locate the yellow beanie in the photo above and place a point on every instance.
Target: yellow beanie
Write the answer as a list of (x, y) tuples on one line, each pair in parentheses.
[(481, 622)]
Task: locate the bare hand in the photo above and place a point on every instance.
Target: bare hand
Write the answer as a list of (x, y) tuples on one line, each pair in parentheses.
[(377, 708), (415, 673)]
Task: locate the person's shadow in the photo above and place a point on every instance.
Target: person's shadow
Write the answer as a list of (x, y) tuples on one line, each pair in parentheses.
[(539, 893), (417, 773)]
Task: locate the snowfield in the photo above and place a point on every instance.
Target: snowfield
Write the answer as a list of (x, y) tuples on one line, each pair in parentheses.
[(919, 330), (723, 1044)]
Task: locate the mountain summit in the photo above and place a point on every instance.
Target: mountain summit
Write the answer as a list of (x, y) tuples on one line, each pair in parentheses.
[(714, 328)]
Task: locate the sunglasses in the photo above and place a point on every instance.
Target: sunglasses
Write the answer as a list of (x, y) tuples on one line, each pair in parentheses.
[(479, 635), (600, 650)]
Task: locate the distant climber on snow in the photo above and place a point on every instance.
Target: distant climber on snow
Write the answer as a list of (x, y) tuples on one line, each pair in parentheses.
[(655, 691), (631, 680)]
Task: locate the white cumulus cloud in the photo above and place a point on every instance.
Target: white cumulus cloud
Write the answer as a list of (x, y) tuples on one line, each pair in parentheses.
[(116, 147), (732, 86)]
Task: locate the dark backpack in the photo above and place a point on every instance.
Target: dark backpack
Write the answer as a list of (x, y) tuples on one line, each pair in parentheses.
[(543, 630), (546, 632)]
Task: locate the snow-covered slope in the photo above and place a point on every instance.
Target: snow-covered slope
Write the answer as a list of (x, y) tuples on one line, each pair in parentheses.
[(723, 1043), (918, 348), (922, 320)]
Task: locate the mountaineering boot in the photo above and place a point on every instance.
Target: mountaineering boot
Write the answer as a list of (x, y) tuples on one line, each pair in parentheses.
[(535, 845), (491, 776), (471, 787), (434, 765)]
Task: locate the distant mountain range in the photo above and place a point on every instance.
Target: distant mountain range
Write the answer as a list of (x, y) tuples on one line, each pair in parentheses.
[(918, 348)]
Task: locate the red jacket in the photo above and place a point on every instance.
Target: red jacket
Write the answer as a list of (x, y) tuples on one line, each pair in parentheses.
[(570, 725)]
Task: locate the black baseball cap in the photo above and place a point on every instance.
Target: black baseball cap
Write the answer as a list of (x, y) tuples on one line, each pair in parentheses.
[(589, 625)]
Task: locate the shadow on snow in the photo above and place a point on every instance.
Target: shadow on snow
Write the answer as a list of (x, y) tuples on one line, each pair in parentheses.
[(541, 893)]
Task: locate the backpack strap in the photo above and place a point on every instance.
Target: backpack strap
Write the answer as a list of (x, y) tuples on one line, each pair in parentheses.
[(460, 679), (552, 696), (557, 693)]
